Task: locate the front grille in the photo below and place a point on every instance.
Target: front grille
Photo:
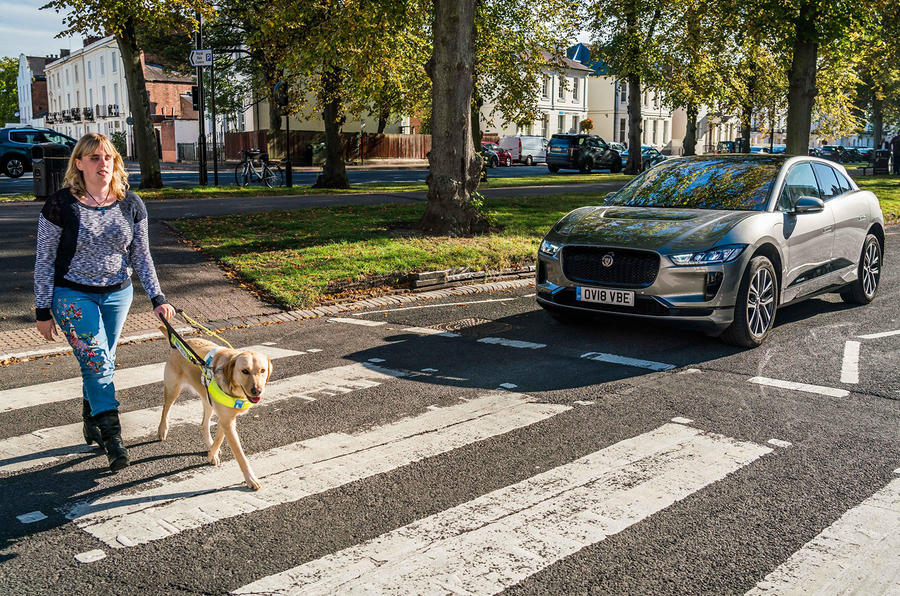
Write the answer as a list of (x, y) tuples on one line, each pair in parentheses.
[(643, 305), (632, 268)]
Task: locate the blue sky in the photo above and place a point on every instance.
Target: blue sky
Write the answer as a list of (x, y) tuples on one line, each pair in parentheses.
[(26, 29)]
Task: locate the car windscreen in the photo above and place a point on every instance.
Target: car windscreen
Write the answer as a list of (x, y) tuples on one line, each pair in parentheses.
[(704, 183)]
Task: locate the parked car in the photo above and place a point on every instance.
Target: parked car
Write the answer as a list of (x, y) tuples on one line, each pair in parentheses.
[(718, 242), (617, 147), (491, 159), (649, 157), (581, 152), (528, 150), (726, 147), (503, 156), (16, 143), (835, 153), (866, 153)]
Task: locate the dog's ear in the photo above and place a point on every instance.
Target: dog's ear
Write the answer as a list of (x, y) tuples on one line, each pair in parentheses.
[(228, 371), (269, 367)]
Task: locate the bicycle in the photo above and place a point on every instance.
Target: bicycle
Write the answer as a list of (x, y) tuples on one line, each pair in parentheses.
[(256, 167)]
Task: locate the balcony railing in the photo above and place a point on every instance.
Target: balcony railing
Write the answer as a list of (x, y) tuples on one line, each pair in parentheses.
[(67, 115), (87, 113), (100, 110), (50, 118), (113, 110)]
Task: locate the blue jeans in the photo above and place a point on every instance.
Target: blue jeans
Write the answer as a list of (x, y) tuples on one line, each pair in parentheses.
[(92, 324)]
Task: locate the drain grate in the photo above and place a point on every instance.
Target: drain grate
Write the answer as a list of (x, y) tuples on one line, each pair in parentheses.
[(473, 326)]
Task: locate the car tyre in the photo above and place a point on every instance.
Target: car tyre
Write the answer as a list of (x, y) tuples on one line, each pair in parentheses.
[(863, 290), (756, 305), (529, 161), (616, 166), (508, 161), (494, 162), (13, 167), (553, 169), (586, 166)]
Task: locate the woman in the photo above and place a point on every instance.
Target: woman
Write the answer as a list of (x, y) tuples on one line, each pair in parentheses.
[(90, 235)]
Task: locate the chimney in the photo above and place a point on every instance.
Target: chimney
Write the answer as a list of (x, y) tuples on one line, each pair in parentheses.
[(89, 40), (63, 52)]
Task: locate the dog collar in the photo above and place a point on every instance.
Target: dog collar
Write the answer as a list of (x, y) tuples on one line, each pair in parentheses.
[(215, 392)]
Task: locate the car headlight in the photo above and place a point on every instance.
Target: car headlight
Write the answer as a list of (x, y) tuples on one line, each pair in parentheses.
[(549, 248), (722, 254)]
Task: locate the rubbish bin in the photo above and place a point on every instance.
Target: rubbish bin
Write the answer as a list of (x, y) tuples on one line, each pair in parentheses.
[(318, 154), (880, 158), (49, 162)]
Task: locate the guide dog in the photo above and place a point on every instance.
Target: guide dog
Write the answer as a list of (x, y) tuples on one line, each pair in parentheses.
[(240, 375)]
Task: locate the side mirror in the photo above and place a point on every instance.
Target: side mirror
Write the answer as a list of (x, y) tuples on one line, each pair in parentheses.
[(808, 205)]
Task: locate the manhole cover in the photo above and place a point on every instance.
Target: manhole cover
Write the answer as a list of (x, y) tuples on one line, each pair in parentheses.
[(474, 326)]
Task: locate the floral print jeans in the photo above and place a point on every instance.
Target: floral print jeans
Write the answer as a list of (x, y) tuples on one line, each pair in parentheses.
[(92, 324)]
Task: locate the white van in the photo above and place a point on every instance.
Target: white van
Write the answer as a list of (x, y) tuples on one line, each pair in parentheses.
[(527, 150)]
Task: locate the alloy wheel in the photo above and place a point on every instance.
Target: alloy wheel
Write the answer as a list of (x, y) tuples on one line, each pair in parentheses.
[(15, 168), (760, 302), (871, 269)]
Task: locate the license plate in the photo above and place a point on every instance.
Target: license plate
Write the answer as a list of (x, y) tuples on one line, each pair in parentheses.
[(605, 296)]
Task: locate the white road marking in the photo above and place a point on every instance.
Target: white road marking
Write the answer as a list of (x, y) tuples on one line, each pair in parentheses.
[(125, 378), (90, 556), (680, 420), (376, 360), (779, 443), (511, 343), (880, 335), (508, 385), (296, 471), (313, 350), (829, 391), (615, 359), (857, 554), (495, 541), (444, 304), (429, 331), (51, 444), (362, 322), (30, 518), (429, 370), (584, 402), (850, 366)]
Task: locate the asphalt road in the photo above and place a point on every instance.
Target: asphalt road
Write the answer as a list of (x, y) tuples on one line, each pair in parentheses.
[(178, 178), (510, 453)]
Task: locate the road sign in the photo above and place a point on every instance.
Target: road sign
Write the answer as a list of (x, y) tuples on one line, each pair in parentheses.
[(201, 57)]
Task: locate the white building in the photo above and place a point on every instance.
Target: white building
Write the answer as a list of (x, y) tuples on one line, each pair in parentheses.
[(563, 104), (32, 87)]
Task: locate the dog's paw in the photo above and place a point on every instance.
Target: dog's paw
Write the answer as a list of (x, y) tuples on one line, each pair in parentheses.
[(253, 483), (162, 432), (213, 458)]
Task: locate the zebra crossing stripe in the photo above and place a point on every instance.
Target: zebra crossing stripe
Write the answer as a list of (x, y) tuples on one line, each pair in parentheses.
[(296, 471), (50, 444), (497, 540), (126, 378), (857, 554)]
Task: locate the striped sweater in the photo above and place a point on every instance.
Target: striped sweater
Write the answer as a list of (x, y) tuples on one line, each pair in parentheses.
[(91, 249)]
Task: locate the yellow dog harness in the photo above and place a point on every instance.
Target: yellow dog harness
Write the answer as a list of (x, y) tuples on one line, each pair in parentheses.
[(207, 374), (213, 389)]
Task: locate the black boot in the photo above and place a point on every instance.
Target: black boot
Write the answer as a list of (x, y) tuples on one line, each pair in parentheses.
[(90, 430), (111, 432)]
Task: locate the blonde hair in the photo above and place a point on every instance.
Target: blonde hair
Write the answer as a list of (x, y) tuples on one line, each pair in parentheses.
[(87, 145)]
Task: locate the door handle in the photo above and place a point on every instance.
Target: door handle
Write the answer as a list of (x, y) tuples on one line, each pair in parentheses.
[(827, 230)]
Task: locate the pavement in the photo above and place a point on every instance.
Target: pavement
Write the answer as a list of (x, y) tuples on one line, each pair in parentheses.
[(365, 165)]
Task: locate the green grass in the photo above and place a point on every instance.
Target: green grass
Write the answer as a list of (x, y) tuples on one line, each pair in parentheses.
[(301, 258), (197, 192), (887, 189)]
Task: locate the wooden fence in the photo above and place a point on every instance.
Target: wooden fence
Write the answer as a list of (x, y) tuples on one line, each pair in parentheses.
[(304, 143)]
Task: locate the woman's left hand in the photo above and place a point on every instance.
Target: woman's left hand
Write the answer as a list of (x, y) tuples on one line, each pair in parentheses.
[(165, 311)]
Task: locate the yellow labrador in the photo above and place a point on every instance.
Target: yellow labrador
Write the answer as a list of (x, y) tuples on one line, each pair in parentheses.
[(241, 375)]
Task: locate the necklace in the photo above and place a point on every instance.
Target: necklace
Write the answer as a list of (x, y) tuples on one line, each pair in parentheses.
[(101, 207)]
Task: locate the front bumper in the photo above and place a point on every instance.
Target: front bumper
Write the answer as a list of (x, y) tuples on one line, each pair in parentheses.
[(678, 294)]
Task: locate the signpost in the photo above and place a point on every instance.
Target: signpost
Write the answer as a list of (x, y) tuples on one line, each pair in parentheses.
[(201, 58), (201, 55)]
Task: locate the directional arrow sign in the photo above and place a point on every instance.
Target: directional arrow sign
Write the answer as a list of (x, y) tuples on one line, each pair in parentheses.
[(201, 57)]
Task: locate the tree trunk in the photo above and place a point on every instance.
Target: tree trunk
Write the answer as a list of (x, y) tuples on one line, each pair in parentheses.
[(477, 102), (334, 173), (690, 134), (802, 80), (634, 125), (383, 116), (454, 167), (139, 102), (878, 120), (746, 118)]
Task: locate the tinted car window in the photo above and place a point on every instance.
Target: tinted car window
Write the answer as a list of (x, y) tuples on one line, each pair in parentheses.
[(828, 182), (22, 137), (842, 182), (800, 182), (703, 183)]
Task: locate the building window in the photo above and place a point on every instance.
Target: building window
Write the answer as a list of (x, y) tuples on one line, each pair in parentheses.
[(655, 127), (67, 77), (91, 98), (113, 62), (623, 89), (560, 123), (666, 131), (644, 130), (89, 70), (103, 95), (116, 93), (574, 89), (545, 89), (575, 123), (562, 88), (101, 66), (622, 130), (76, 73)]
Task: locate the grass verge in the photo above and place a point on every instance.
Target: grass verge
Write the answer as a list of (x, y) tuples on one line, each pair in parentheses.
[(198, 192)]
